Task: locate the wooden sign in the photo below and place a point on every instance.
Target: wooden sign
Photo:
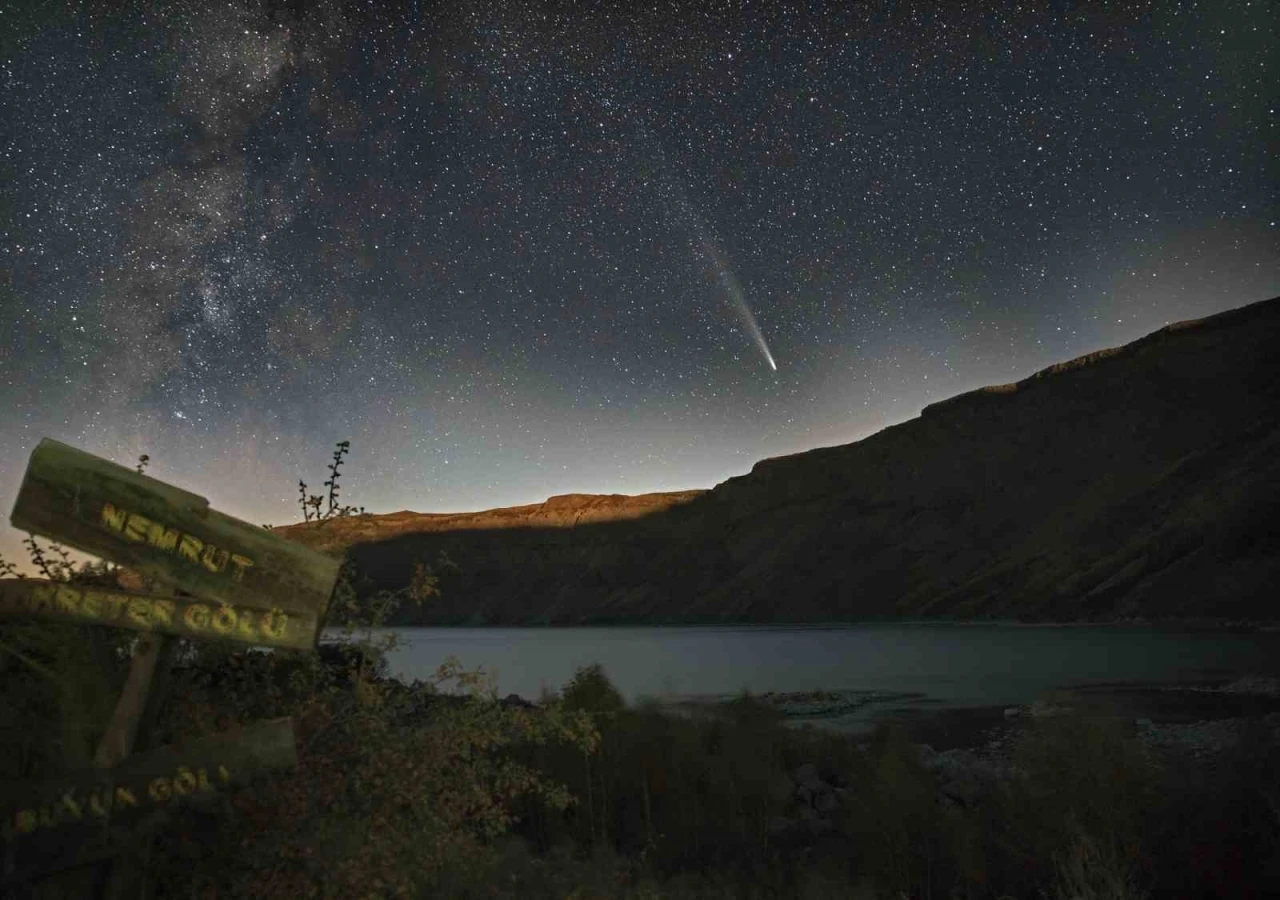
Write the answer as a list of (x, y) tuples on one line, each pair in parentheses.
[(76, 818), (237, 581), (183, 616), (160, 530)]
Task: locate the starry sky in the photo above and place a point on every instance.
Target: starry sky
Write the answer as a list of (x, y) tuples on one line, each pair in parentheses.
[(512, 249)]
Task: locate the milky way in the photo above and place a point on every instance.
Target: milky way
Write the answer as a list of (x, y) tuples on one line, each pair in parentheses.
[(511, 250)]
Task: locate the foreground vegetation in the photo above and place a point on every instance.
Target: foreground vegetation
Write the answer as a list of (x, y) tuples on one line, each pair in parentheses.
[(415, 791), (439, 789)]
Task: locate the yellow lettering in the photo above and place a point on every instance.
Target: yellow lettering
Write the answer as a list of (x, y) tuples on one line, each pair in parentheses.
[(184, 782), (42, 598), (67, 600), (113, 604), (189, 548), (241, 563), (214, 558), (203, 778), (224, 774), (162, 538), (159, 789), (162, 612), (196, 617), (71, 806), (126, 797), (25, 821), (99, 805), (224, 620), (246, 626), (91, 604), (113, 518), (139, 611), (136, 527), (274, 623)]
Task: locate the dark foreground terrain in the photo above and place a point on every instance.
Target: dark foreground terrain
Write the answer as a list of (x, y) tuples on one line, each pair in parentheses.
[(414, 791), (1142, 481)]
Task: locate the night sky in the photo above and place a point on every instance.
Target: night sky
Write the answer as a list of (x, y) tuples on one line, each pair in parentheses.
[(511, 250)]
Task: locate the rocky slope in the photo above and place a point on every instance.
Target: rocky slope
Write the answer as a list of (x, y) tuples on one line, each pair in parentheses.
[(1138, 481), (563, 511)]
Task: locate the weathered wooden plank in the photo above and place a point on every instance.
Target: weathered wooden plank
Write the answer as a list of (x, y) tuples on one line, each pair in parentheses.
[(89, 815), (149, 670), (126, 875), (117, 742), (157, 529), (183, 616)]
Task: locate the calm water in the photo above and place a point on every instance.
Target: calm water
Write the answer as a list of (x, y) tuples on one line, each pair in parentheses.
[(937, 665)]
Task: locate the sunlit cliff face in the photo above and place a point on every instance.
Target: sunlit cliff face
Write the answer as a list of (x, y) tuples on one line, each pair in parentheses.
[(564, 511)]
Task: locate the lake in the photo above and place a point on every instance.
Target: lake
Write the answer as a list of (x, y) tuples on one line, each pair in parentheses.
[(888, 666)]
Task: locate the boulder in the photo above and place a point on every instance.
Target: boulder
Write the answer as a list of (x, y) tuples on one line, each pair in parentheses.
[(812, 792), (806, 775), (1046, 709), (780, 827), (962, 777), (784, 789), (925, 754), (826, 802), (951, 762), (965, 788), (1259, 685), (814, 823)]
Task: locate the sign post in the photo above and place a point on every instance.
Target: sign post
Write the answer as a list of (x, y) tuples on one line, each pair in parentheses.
[(219, 578)]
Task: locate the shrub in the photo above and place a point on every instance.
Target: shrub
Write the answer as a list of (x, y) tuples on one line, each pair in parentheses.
[(900, 833), (591, 691), (1216, 830), (392, 794), (58, 681), (1085, 792)]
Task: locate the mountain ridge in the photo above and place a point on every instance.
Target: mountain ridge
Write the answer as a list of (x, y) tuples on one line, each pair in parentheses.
[(1139, 480)]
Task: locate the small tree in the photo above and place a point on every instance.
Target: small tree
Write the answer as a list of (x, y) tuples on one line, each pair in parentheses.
[(311, 503)]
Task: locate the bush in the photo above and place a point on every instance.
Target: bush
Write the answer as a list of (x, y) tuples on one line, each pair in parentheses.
[(391, 795), (58, 682), (591, 691), (1085, 793), (58, 686), (906, 843), (1216, 830)]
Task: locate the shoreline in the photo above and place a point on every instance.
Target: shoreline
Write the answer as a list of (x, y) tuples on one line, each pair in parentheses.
[(1169, 715), (1186, 624), (1199, 716)]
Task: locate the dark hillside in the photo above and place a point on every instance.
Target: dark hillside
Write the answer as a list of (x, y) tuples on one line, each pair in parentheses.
[(1137, 481)]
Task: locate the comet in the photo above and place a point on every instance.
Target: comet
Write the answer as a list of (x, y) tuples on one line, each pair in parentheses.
[(677, 200), (737, 299)]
